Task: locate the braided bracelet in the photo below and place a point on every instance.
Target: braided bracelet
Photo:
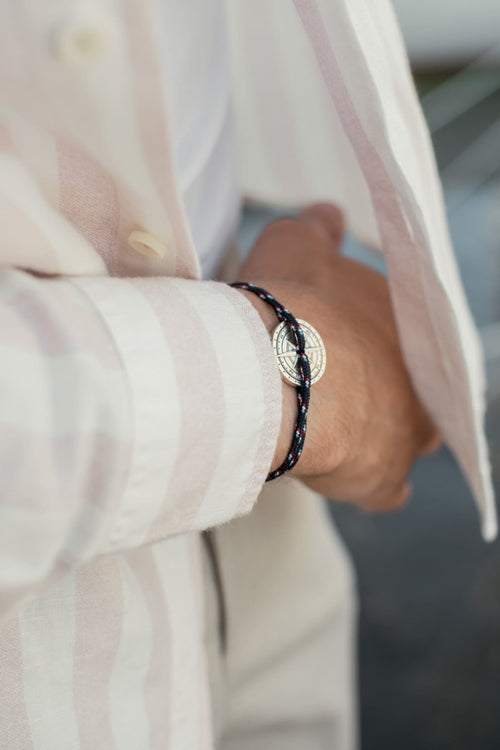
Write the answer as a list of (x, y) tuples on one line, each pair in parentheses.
[(291, 344)]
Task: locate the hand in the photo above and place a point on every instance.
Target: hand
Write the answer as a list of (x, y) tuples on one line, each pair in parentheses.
[(365, 425)]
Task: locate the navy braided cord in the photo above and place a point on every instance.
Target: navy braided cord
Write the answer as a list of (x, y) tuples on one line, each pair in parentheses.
[(303, 390)]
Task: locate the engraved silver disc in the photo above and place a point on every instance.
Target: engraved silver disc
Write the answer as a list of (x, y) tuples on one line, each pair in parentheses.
[(286, 352)]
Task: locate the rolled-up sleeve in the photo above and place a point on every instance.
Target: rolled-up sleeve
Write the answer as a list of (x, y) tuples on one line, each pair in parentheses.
[(132, 410)]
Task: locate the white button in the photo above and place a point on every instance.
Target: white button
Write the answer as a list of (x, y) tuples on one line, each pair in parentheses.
[(83, 42), (147, 244)]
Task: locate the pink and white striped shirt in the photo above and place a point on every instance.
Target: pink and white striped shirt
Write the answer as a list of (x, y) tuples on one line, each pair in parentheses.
[(114, 451)]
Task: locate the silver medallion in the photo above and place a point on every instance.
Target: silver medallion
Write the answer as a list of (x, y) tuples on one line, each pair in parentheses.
[(286, 352)]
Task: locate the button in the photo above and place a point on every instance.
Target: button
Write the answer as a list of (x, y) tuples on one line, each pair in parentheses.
[(147, 244), (84, 41)]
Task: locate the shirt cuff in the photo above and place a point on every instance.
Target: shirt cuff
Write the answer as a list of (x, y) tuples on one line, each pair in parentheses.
[(205, 399)]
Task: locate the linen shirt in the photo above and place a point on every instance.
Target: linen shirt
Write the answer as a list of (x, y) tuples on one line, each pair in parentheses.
[(196, 63), (141, 404)]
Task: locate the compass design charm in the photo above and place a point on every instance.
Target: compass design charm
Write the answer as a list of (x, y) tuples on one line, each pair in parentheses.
[(286, 352)]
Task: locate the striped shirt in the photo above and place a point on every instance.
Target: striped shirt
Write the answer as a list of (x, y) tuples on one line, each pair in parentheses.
[(134, 412)]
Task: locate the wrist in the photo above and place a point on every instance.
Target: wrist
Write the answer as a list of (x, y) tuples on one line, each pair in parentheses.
[(288, 393), (297, 378)]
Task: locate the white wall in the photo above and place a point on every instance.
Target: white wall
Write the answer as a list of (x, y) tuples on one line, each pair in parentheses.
[(446, 31)]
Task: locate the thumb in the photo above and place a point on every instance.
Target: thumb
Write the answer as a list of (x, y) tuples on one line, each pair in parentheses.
[(329, 219)]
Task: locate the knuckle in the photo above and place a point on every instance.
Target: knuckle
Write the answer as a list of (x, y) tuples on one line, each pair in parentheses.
[(296, 228), (387, 500), (328, 220), (284, 224)]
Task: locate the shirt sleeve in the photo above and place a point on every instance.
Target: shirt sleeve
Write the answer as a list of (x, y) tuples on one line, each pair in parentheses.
[(132, 410)]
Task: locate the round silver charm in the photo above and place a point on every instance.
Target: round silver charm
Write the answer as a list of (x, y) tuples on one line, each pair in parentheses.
[(286, 352)]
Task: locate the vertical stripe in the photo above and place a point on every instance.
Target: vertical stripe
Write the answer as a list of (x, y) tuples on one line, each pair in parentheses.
[(154, 401), (201, 407), (89, 200), (37, 150), (24, 204), (99, 616), (241, 377), (149, 90), (129, 715), (264, 74), (173, 560), (6, 142), (47, 627), (157, 687), (15, 732), (442, 384), (24, 243), (19, 73), (205, 740)]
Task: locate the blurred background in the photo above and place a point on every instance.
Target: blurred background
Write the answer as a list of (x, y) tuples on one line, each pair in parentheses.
[(429, 586)]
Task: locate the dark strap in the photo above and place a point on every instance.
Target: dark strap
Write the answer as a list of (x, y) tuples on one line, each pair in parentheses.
[(303, 390)]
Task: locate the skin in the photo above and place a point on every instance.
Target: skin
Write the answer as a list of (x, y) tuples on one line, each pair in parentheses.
[(366, 425)]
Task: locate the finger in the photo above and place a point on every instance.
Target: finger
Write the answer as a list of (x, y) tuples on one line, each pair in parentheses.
[(329, 219)]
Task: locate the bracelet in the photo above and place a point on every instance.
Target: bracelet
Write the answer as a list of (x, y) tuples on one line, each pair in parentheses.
[(303, 382)]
